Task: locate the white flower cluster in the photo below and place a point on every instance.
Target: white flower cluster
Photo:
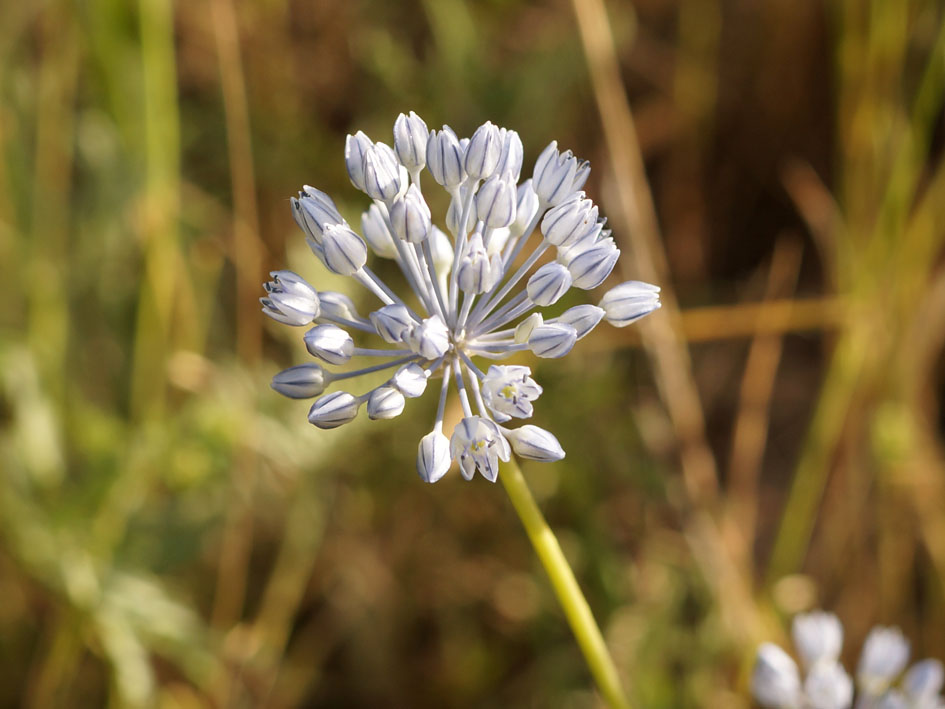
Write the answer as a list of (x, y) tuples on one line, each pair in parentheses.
[(818, 638), (462, 303)]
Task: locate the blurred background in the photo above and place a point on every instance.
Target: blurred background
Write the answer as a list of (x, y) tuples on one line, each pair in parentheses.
[(175, 534)]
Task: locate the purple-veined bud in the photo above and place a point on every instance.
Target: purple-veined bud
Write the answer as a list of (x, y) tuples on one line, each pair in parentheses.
[(534, 443), (383, 178), (445, 158), (433, 457), (410, 141), (526, 207), (376, 233), (313, 211), (344, 252), (476, 272), (570, 221), (329, 343), (410, 216), (291, 300), (392, 322), (430, 339), (583, 318), (495, 201), (554, 174), (590, 267), (355, 148), (303, 381), (629, 302), (552, 340), (334, 410), (336, 306), (410, 380), (483, 152), (524, 329), (512, 154), (385, 403), (548, 284)]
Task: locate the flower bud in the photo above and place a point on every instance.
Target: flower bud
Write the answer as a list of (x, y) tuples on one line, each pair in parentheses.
[(570, 221), (433, 457), (534, 443), (302, 381), (548, 284), (376, 233), (442, 250), (526, 207), (495, 201), (483, 152), (383, 179), (524, 329), (552, 340), (313, 211), (291, 299), (385, 403), (583, 318), (476, 273), (445, 158), (344, 251), (329, 343), (392, 322), (775, 681), (410, 380), (629, 302), (556, 174), (430, 339), (512, 154), (410, 141), (334, 410), (924, 681), (337, 306), (829, 686), (355, 148), (590, 267), (410, 216)]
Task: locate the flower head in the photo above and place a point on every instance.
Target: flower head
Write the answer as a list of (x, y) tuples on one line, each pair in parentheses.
[(479, 292), (818, 637)]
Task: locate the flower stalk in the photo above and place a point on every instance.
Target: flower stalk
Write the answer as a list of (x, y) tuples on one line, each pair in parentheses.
[(565, 586)]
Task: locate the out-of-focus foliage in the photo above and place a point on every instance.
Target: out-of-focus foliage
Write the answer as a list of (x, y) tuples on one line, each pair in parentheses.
[(173, 533)]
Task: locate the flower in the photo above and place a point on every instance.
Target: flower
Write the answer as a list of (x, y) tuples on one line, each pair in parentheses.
[(818, 637), (478, 293)]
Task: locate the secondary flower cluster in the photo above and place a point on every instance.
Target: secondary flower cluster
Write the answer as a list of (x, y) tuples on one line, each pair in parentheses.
[(818, 638), (463, 302)]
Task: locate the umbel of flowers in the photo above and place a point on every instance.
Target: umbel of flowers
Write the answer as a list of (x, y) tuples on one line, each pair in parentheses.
[(882, 681), (478, 289)]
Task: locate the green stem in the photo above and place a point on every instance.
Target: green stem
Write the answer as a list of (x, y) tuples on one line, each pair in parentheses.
[(565, 586)]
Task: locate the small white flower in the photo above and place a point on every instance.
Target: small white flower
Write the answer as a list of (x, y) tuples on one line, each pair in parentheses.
[(478, 444), (475, 292), (508, 391)]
